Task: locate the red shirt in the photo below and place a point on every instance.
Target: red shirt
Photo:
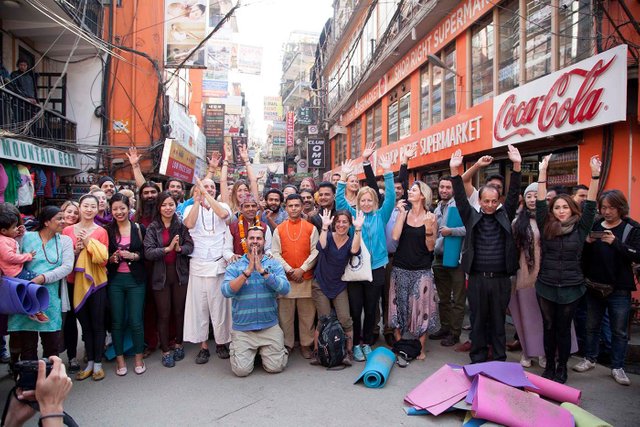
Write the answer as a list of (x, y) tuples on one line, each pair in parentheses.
[(169, 258)]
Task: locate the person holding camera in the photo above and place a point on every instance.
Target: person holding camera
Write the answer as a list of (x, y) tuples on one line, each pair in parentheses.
[(611, 248), (560, 284), (49, 391)]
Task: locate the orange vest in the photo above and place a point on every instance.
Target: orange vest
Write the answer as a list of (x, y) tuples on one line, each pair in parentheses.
[(296, 251)]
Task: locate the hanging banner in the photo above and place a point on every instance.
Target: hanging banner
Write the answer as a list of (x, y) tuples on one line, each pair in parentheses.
[(218, 59), (316, 153), (177, 161), (185, 27), (212, 88), (214, 126), (304, 116), (290, 128), (250, 59)]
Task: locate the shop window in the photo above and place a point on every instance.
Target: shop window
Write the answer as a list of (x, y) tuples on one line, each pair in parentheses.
[(374, 125), (563, 169), (509, 45), (393, 123), (404, 113), (356, 138), (424, 97), (538, 39), (574, 35), (482, 55), (340, 154), (450, 81), (436, 95)]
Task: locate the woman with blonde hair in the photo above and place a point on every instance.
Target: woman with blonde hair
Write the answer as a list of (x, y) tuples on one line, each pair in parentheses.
[(413, 301), (241, 188), (365, 295)]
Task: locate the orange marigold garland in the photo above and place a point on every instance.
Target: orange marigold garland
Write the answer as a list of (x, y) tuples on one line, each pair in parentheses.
[(243, 238)]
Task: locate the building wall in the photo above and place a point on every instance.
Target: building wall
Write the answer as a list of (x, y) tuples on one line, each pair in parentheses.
[(625, 160)]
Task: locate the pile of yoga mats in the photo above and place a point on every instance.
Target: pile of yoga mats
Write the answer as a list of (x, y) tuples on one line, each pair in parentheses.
[(19, 296), (378, 367)]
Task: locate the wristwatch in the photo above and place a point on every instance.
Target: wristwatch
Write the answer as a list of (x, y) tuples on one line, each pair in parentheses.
[(264, 273)]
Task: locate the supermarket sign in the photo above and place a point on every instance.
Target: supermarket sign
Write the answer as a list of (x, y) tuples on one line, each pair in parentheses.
[(589, 93)]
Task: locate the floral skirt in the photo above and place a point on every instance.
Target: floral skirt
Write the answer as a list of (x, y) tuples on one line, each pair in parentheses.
[(413, 302)]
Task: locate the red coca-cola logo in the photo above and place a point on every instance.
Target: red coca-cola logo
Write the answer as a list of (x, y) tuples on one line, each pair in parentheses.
[(554, 108)]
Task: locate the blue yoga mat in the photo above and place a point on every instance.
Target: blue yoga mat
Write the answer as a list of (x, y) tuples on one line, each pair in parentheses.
[(377, 369), (452, 244), (19, 296)]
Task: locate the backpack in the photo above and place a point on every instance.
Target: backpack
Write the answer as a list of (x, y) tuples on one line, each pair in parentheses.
[(409, 349), (332, 342)]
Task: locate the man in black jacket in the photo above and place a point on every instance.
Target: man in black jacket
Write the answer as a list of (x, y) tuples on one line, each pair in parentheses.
[(489, 257)]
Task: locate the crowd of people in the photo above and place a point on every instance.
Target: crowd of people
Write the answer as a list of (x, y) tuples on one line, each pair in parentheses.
[(258, 269)]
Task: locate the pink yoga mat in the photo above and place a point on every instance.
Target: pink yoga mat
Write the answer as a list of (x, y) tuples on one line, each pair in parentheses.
[(554, 390), (440, 391), (510, 406)]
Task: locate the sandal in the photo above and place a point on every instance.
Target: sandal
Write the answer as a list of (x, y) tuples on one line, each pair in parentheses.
[(121, 372), (139, 370), (402, 362)]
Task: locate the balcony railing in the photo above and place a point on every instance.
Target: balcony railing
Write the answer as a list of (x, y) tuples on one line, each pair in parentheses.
[(86, 13), (16, 113)]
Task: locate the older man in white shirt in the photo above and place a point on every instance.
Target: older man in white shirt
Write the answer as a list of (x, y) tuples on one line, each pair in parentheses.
[(212, 248)]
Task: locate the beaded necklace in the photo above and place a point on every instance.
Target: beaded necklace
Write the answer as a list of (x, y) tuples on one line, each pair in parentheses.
[(299, 231), (55, 238)]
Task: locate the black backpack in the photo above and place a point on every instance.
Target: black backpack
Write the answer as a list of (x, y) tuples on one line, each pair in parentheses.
[(332, 348), (409, 349)]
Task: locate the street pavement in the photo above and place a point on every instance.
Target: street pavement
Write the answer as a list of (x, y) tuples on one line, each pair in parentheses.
[(191, 395)]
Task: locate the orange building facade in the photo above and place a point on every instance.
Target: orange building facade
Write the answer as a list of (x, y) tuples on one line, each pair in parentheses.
[(478, 80)]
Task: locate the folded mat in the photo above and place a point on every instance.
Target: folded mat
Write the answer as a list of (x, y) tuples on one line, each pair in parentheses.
[(553, 390), (440, 391), (377, 369), (584, 418), (19, 296), (510, 406)]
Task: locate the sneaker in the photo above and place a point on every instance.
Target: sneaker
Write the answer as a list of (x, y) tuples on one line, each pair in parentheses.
[(5, 357), (167, 360), (74, 365), (203, 356), (358, 355), (222, 351), (584, 366), (39, 317), (620, 376), (542, 361), (178, 353), (441, 334), (525, 361), (366, 349)]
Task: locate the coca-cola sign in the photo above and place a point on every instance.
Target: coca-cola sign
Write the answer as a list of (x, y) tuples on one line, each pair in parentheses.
[(590, 93)]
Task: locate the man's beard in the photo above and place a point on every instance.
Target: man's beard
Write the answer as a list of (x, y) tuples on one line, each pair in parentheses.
[(148, 208)]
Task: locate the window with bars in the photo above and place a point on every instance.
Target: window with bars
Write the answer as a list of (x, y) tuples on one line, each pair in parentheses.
[(509, 46), (377, 124), (356, 139), (392, 135), (538, 39), (449, 86), (436, 95), (482, 55), (574, 34), (404, 116), (424, 97), (340, 149)]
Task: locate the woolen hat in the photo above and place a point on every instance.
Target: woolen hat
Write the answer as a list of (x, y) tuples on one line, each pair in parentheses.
[(533, 187), (104, 179)]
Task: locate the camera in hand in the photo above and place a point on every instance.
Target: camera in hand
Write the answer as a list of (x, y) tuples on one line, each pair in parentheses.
[(26, 373)]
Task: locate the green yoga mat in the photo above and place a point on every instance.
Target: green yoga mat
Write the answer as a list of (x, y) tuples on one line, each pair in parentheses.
[(583, 418)]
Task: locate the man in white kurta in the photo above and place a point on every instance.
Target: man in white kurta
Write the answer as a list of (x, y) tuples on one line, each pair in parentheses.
[(212, 249)]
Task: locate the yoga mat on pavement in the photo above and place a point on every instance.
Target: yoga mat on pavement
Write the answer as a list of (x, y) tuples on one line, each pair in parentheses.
[(440, 391), (19, 296), (378, 367), (512, 407), (584, 418), (553, 390)]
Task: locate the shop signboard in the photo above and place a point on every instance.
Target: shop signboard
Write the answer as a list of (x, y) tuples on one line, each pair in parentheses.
[(316, 153), (290, 128), (304, 116), (177, 161), (214, 126), (184, 131), (22, 151), (214, 88), (272, 107), (249, 59), (232, 124), (590, 93)]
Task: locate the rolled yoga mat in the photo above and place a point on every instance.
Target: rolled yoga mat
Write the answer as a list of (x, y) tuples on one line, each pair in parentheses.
[(553, 390), (377, 369), (583, 418), (19, 296)]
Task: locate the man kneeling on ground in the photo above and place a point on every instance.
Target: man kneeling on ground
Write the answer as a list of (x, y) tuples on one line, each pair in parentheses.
[(254, 282)]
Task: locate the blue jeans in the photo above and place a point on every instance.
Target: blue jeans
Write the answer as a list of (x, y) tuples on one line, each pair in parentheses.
[(618, 305)]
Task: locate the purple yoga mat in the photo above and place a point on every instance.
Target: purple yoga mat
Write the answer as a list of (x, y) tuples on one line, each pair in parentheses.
[(19, 296)]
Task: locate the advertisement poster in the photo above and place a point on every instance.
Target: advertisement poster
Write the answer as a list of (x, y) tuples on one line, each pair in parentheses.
[(272, 107), (177, 161), (290, 128), (212, 88), (232, 124), (185, 27), (249, 59), (214, 126)]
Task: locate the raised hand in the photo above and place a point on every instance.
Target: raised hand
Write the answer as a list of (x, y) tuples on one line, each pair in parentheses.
[(243, 151), (197, 196), (408, 153), (368, 151), (596, 165), (272, 169), (402, 206), (133, 156), (484, 161), (257, 261), (514, 154), (385, 162), (358, 220), (544, 164), (175, 243), (261, 174), (52, 389), (214, 160), (326, 217), (430, 221), (228, 152), (347, 167), (456, 160)]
